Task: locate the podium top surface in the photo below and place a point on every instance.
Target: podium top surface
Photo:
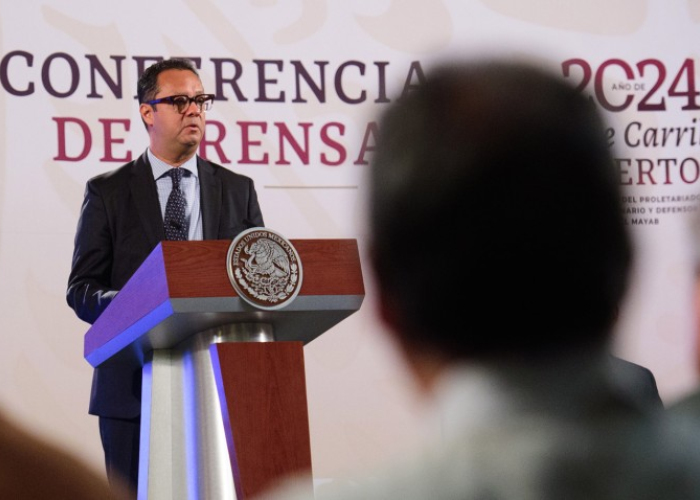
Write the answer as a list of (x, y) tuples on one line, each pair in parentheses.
[(183, 288)]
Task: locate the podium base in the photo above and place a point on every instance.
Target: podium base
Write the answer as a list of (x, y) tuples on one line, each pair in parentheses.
[(187, 446)]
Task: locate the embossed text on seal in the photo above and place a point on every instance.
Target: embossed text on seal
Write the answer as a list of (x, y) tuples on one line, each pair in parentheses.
[(264, 268)]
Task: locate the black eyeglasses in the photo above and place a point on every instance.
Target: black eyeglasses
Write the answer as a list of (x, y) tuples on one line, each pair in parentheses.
[(182, 103)]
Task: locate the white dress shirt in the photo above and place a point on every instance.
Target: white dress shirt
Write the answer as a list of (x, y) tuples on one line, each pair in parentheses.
[(189, 186)]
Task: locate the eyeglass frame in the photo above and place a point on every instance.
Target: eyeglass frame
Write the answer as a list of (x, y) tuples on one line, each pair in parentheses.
[(205, 105)]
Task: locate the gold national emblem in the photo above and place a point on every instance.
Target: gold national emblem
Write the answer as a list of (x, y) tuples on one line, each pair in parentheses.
[(264, 268)]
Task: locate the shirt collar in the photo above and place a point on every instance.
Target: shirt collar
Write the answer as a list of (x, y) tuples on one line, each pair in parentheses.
[(479, 393), (159, 167)]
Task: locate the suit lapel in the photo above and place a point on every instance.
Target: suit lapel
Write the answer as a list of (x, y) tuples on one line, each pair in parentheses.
[(210, 199), (145, 196)]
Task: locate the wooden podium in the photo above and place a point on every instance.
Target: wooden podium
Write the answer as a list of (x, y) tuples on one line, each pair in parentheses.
[(224, 410)]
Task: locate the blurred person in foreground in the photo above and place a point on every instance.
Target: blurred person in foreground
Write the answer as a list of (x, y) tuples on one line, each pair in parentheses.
[(688, 406), (639, 379), (33, 469), (501, 257)]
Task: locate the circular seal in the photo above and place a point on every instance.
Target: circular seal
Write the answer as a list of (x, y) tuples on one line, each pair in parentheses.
[(264, 268)]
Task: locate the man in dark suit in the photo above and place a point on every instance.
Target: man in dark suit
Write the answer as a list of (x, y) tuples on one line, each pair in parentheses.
[(637, 381), (688, 406), (122, 220)]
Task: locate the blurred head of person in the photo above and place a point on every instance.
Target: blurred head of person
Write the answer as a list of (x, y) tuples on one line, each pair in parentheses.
[(495, 218)]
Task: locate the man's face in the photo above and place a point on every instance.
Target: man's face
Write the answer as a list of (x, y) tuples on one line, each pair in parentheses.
[(174, 136)]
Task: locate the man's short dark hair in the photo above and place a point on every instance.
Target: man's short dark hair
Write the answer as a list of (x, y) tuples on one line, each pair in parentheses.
[(147, 86), (495, 213)]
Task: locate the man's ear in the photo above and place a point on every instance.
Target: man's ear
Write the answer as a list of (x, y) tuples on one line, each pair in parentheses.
[(423, 362), (386, 305), (388, 310), (146, 111)]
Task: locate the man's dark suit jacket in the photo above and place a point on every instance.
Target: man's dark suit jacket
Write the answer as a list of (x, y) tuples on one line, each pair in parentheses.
[(120, 224), (639, 382)]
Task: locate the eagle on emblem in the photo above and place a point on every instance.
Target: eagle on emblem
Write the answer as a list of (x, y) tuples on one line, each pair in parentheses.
[(267, 258)]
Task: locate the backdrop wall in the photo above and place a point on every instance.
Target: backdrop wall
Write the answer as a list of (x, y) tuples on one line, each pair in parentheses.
[(298, 86)]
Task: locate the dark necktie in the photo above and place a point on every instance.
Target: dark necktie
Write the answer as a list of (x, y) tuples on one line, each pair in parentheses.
[(175, 222)]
